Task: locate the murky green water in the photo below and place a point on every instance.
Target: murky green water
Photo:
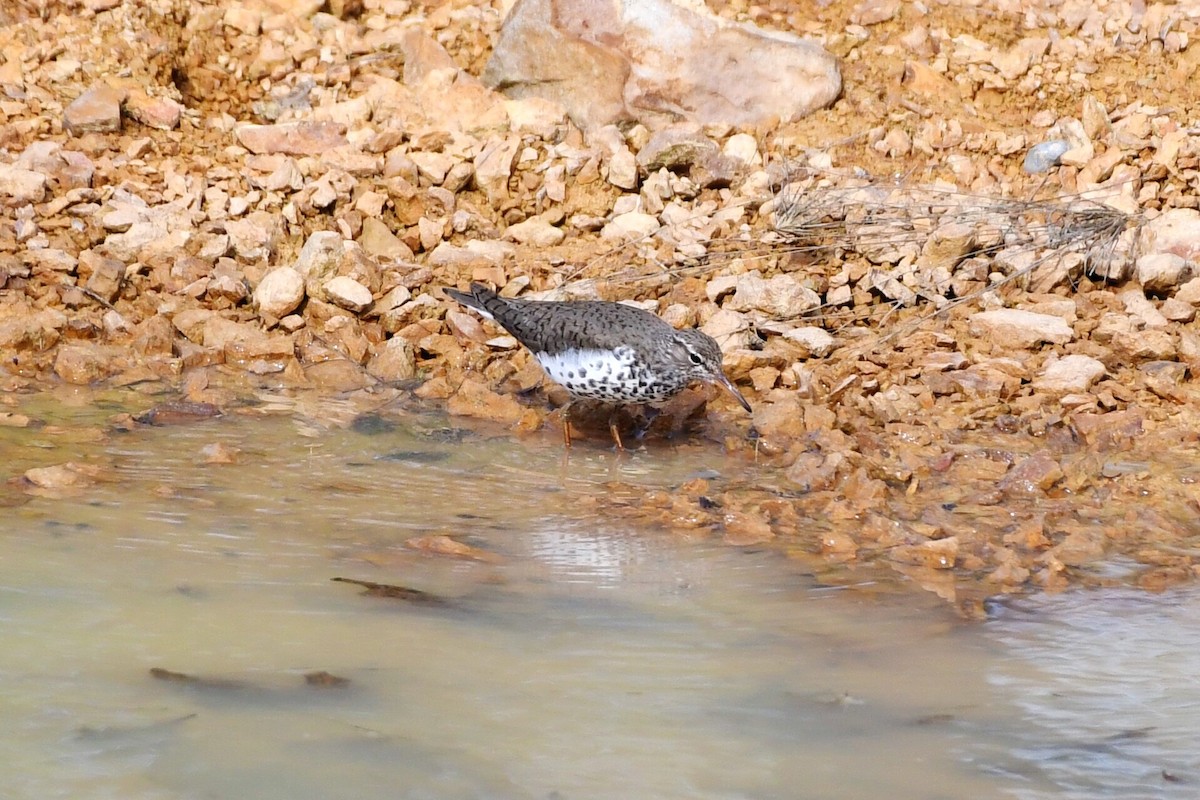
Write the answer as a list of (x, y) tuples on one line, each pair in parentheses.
[(580, 660)]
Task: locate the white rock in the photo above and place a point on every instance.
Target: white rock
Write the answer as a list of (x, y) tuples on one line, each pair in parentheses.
[(279, 292), (720, 286), (1136, 304), (632, 225), (535, 231), (730, 329), (318, 259), (535, 115), (1174, 231), (1161, 272), (1189, 292), (622, 170), (780, 296), (432, 166), (348, 293), (1073, 373), (742, 147), (473, 252), (816, 342), (1022, 329), (21, 186)]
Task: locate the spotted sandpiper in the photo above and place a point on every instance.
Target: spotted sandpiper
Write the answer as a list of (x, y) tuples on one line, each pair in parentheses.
[(605, 351)]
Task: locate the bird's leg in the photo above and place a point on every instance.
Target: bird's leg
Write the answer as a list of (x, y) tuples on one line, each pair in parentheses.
[(566, 424), (616, 434)]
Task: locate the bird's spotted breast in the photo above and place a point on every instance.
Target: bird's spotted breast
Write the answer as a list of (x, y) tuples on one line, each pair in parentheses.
[(615, 376)]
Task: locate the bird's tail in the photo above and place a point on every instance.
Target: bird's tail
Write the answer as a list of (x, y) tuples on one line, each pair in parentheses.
[(480, 298)]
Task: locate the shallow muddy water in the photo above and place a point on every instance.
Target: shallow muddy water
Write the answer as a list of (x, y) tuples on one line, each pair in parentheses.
[(572, 658)]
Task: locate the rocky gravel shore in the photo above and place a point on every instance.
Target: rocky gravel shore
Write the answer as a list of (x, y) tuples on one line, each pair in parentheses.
[(957, 275)]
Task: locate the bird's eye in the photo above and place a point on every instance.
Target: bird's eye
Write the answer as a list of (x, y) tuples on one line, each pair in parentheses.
[(696, 359)]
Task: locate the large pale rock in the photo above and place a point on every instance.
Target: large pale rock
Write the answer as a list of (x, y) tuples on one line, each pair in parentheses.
[(535, 231), (280, 292), (1161, 272), (20, 187), (293, 138), (348, 293), (85, 363), (1174, 231), (318, 261), (606, 60), (104, 274), (494, 165), (1073, 373), (629, 226), (394, 362), (474, 253), (780, 296), (98, 110), (1023, 329), (378, 240), (813, 341)]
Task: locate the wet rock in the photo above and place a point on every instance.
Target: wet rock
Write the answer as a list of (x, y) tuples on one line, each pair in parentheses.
[(743, 529), (1073, 373), (604, 62), (1080, 548), (782, 420), (780, 296), (933, 554), (62, 476), (349, 294), (219, 453), (475, 399), (280, 292), (1010, 327), (337, 375), (394, 362), (97, 110), (154, 336), (306, 138), (1035, 474), (82, 364), (20, 187)]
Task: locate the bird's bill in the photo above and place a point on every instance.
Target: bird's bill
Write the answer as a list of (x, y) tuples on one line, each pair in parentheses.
[(722, 380)]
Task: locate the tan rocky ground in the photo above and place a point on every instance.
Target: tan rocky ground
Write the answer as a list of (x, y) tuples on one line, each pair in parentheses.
[(193, 191)]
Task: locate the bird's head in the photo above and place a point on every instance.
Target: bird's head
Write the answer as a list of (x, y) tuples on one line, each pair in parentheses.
[(697, 355)]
